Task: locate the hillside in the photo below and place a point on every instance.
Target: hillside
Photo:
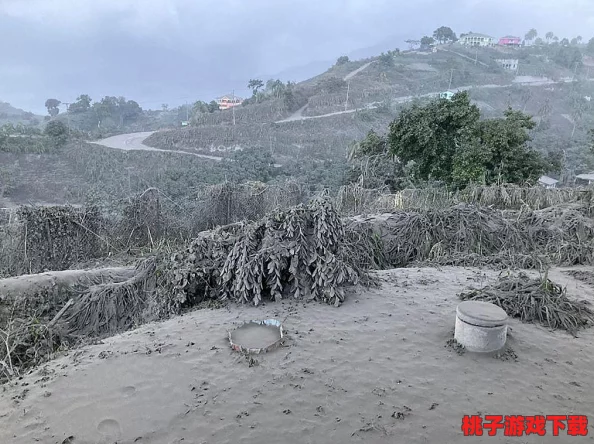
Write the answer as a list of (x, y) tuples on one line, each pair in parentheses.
[(307, 127), (323, 124), (11, 115)]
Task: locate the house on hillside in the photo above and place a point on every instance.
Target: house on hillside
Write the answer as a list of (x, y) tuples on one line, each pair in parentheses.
[(589, 178), (228, 101), (548, 182), (510, 40), (508, 64), (475, 39)]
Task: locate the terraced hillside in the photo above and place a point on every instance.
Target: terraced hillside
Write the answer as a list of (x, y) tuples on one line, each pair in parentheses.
[(341, 105), (309, 128)]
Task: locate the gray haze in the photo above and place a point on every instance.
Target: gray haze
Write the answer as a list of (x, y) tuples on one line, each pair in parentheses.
[(170, 51)]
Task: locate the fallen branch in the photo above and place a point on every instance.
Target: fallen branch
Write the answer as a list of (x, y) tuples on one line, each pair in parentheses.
[(56, 318)]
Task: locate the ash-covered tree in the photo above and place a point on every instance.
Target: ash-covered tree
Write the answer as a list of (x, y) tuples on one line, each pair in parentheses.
[(429, 135), (255, 85), (531, 35), (444, 34), (426, 40), (386, 60), (52, 106), (342, 60), (275, 88), (565, 42), (213, 106), (56, 132), (200, 107), (412, 44), (549, 36), (446, 141), (116, 111), (82, 104), (373, 165), (504, 155), (129, 111)]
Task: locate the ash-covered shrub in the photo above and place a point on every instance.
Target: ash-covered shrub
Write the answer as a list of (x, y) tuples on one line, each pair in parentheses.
[(55, 238)]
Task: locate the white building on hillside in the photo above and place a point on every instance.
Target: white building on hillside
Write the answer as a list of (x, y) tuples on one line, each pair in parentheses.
[(475, 39)]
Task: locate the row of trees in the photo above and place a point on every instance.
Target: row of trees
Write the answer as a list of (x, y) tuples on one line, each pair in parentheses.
[(116, 109), (441, 35), (446, 141), (272, 89), (445, 34), (23, 139), (551, 38)]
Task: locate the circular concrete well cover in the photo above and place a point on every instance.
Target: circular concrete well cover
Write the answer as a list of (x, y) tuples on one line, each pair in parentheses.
[(482, 314), (257, 336)]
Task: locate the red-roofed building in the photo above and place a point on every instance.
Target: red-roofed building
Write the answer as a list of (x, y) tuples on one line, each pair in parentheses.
[(510, 40), (228, 101)]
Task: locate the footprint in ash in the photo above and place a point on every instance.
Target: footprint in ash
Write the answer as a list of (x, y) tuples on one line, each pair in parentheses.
[(129, 391), (110, 428)]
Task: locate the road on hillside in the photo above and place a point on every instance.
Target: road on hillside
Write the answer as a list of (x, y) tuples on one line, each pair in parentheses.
[(522, 80), (134, 142), (352, 74), (298, 115)]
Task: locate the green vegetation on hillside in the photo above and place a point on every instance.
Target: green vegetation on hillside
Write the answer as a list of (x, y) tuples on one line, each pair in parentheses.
[(15, 116), (446, 141), (361, 96)]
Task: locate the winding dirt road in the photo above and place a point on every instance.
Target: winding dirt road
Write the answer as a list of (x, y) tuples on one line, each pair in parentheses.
[(523, 80), (134, 142)]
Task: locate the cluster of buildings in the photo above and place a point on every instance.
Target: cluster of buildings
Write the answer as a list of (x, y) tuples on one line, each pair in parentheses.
[(475, 39), (580, 179)]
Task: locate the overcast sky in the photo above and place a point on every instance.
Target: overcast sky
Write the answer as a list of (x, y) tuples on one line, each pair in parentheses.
[(170, 51)]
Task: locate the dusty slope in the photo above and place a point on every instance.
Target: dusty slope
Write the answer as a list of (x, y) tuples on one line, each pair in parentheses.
[(134, 141), (345, 376)]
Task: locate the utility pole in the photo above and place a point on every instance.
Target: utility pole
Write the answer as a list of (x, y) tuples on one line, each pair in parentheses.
[(346, 103), (187, 112), (476, 57), (233, 107), (451, 77)]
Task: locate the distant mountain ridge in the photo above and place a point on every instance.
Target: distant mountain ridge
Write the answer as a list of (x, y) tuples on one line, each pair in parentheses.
[(7, 108)]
